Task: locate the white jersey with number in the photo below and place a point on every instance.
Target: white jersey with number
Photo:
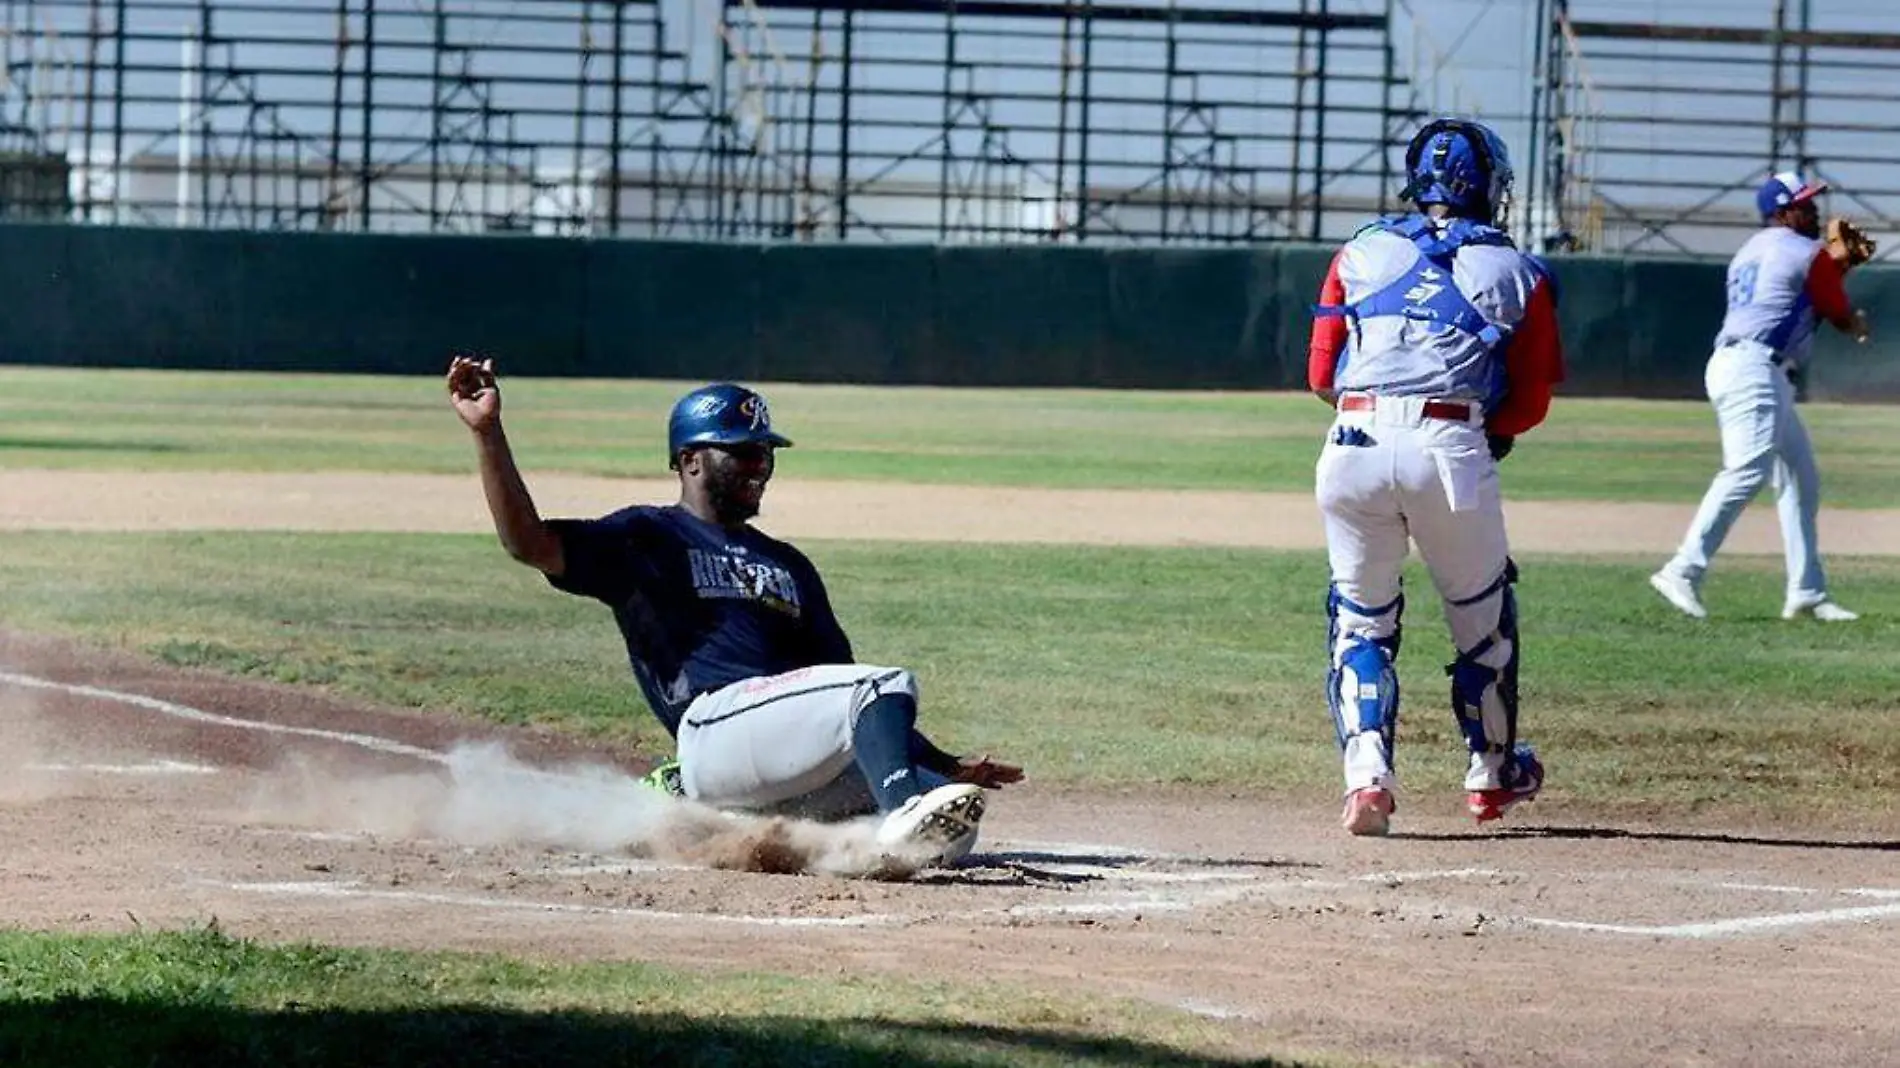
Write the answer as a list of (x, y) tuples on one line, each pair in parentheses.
[(1768, 298)]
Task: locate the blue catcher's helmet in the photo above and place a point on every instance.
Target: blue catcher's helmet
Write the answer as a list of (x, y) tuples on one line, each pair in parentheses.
[(1462, 165), (720, 414)]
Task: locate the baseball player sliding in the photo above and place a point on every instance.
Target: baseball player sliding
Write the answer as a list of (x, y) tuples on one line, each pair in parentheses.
[(731, 635), (1783, 281), (1436, 340)]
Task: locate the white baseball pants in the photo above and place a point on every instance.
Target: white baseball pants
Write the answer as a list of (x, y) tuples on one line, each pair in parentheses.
[(784, 741), (1391, 474), (1763, 440)]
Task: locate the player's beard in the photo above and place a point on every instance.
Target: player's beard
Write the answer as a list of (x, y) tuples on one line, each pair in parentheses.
[(729, 491)]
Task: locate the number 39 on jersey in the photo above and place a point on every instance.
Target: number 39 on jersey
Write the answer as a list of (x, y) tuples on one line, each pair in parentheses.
[(1741, 285)]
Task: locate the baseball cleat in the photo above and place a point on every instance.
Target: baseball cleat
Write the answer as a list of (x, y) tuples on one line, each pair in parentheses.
[(665, 778), (1679, 592), (941, 824), (1489, 805), (1368, 812), (1825, 611)]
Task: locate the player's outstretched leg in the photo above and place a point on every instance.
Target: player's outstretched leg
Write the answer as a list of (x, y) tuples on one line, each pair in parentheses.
[(784, 742), (1362, 689), (1797, 480), (1748, 409), (927, 826), (1502, 773)]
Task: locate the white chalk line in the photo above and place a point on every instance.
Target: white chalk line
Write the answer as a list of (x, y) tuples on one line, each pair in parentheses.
[(1720, 928), (162, 767), (289, 832), (630, 866), (1185, 901), (178, 711)]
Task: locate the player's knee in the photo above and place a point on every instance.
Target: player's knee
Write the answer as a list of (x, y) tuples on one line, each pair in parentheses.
[(1752, 471), (1350, 620), (885, 682)]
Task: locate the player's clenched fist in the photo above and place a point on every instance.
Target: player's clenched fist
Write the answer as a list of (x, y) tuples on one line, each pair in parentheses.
[(473, 391)]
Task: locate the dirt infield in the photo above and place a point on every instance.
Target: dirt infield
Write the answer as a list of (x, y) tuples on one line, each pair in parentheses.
[(134, 794), (47, 500), (141, 795)]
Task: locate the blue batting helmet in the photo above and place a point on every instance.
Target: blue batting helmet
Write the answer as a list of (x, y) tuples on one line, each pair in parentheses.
[(1462, 165), (720, 414)]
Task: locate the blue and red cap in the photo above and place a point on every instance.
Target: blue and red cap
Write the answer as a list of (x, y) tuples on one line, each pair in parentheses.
[(1783, 189)]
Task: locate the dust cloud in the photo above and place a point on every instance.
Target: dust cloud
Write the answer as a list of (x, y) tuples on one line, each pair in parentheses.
[(26, 749), (482, 795)]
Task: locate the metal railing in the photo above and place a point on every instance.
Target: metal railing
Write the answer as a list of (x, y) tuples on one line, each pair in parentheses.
[(985, 120), (1656, 135)]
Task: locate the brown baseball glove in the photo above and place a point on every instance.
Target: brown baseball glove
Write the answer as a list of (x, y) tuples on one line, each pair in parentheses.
[(1847, 244)]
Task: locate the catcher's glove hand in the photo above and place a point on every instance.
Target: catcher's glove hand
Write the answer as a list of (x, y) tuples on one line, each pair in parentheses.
[(1846, 243), (1501, 445)]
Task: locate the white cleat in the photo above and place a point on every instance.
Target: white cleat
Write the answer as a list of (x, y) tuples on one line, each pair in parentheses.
[(938, 827), (1825, 611), (1680, 592)]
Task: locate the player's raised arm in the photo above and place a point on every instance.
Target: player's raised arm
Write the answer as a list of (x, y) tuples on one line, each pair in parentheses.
[(477, 400)]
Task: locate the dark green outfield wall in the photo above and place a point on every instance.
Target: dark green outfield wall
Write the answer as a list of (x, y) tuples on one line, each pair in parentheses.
[(982, 315)]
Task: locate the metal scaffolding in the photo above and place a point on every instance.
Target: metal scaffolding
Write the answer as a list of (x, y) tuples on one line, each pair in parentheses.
[(1654, 136), (981, 120)]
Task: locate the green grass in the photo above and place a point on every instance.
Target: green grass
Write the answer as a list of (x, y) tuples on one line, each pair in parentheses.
[(132, 420), (200, 998), (1097, 667)]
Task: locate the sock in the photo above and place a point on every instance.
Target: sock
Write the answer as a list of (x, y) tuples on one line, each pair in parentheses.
[(881, 743)]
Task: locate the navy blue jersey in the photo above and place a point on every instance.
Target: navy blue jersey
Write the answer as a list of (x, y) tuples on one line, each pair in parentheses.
[(700, 607)]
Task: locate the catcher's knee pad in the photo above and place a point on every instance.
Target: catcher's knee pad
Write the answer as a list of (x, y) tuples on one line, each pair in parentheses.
[(1362, 689), (1484, 677)]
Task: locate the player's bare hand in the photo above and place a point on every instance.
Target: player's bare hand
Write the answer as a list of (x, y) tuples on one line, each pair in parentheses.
[(987, 773), (474, 392)]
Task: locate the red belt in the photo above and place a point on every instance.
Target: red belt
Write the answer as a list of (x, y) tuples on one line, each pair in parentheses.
[(1434, 409)]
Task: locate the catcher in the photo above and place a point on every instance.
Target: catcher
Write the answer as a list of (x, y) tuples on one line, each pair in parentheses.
[(1783, 282), (731, 636)]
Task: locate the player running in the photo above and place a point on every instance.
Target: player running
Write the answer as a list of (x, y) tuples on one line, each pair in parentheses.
[(1782, 282), (1436, 340), (731, 635)]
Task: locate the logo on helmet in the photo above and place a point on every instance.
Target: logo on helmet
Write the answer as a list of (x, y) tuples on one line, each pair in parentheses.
[(753, 409)]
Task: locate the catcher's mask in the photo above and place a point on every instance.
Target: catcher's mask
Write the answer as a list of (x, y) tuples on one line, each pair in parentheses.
[(1462, 165), (720, 414)]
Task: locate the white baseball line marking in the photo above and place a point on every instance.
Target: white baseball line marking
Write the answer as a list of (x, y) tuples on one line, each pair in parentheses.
[(162, 767), (1719, 928), (178, 711), (1397, 877), (630, 866), (1183, 901)]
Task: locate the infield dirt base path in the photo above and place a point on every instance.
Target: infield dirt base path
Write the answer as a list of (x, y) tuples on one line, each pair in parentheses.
[(86, 500), (134, 794)]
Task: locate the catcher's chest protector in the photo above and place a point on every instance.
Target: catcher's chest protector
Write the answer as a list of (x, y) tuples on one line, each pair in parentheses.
[(1430, 308), (1767, 301)]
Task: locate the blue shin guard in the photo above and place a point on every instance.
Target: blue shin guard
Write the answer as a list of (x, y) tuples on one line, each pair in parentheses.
[(1362, 688), (1484, 677)]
